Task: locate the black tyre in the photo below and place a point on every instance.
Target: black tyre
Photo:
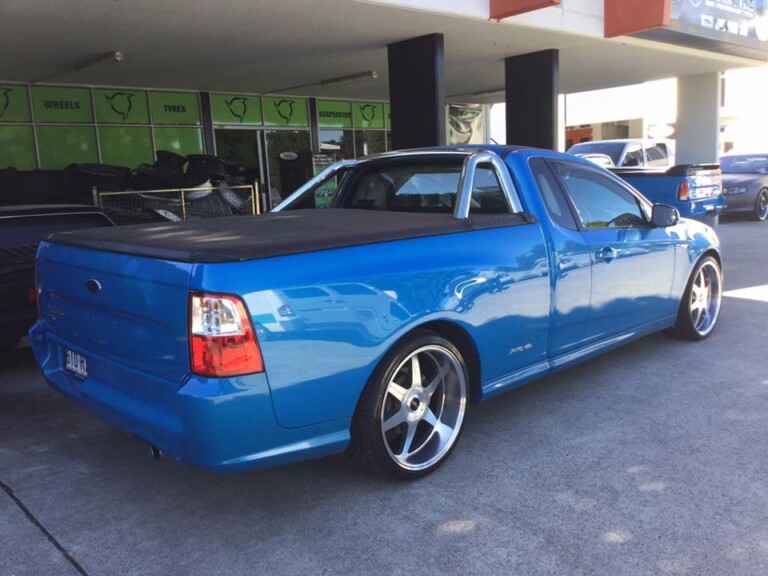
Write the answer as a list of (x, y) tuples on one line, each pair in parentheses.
[(761, 205), (700, 307), (411, 413)]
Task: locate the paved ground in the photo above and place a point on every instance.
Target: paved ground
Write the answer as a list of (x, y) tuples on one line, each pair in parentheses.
[(650, 460)]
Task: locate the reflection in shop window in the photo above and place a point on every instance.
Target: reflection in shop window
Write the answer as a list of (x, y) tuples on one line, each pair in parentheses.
[(338, 144), (370, 142)]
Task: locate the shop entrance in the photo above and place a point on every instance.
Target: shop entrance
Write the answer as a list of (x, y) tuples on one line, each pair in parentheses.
[(243, 149), (289, 157), (279, 160)]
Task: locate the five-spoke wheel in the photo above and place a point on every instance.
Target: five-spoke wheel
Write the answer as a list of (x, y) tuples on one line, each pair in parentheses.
[(412, 410), (700, 307)]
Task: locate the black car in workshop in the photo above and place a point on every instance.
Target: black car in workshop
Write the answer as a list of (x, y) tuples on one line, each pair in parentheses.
[(745, 183), (21, 230)]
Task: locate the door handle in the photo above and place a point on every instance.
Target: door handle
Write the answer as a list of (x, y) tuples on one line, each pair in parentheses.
[(606, 254)]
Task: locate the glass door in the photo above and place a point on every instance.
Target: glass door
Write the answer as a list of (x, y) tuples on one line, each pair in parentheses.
[(241, 149), (289, 159)]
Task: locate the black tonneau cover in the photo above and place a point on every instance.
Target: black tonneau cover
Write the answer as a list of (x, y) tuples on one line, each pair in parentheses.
[(232, 239)]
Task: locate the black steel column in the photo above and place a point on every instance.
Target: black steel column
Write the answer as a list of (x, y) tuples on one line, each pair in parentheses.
[(417, 92), (209, 139), (314, 129), (532, 86)]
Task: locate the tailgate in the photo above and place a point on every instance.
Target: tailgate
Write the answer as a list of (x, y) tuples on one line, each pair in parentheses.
[(116, 310), (703, 183)]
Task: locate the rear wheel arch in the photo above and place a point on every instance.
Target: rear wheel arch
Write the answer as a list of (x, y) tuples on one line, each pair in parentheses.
[(460, 338), (699, 308), (714, 254)]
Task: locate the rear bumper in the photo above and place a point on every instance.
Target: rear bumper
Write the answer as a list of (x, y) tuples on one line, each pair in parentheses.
[(223, 424), (706, 210)]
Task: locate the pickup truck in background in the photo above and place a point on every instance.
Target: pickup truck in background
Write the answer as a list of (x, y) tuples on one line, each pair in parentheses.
[(430, 280), (627, 152), (696, 190), (21, 230)]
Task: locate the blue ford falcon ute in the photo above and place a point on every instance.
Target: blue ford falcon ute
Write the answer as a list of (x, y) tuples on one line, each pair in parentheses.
[(432, 279)]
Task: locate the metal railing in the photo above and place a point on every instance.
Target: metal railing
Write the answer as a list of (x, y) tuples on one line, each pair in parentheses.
[(176, 204)]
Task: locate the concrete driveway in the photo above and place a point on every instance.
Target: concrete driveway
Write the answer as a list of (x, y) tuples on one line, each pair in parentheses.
[(649, 460)]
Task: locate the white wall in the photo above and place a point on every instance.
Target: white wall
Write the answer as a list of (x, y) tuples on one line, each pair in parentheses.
[(582, 17), (470, 8), (746, 109), (656, 102), (698, 119)]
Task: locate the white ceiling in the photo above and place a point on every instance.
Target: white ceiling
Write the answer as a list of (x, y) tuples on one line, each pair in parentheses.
[(261, 46)]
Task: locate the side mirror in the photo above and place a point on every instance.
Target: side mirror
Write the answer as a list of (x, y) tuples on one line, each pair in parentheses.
[(664, 215)]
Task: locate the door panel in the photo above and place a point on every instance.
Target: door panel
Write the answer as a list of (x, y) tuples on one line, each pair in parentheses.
[(632, 262)]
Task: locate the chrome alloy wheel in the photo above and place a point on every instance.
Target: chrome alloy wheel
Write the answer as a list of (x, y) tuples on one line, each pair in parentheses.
[(705, 298), (761, 205), (423, 407)]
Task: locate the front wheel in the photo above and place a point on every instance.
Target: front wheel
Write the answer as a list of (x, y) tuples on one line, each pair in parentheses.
[(411, 412), (761, 205), (700, 307)]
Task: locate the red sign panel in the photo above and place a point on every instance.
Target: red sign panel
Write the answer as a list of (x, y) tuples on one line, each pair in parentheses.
[(506, 8)]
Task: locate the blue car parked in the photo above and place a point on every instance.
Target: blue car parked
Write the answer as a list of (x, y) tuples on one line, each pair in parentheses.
[(434, 279)]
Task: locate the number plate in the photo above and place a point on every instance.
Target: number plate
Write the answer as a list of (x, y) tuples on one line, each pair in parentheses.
[(75, 363)]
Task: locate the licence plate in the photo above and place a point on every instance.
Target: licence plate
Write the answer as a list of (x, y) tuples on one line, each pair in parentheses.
[(75, 363)]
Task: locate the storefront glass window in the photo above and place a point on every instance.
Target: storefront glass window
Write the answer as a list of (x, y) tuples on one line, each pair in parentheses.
[(61, 146), (370, 142), (17, 148), (180, 140), (339, 144), (126, 146)]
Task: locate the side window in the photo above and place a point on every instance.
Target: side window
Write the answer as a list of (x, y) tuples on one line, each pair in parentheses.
[(487, 194), (321, 196), (600, 202), (555, 202), (657, 155), (634, 155)]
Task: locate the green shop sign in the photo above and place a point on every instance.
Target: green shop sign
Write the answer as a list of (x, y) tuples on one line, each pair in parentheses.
[(175, 108), (387, 116), (369, 115), (334, 114), (236, 109), (14, 104), (62, 105), (121, 106), (281, 111)]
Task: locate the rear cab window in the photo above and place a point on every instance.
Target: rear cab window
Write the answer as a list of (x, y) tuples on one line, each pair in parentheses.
[(417, 183)]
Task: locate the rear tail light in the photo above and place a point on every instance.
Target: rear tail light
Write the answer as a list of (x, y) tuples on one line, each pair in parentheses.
[(682, 191), (222, 339)]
